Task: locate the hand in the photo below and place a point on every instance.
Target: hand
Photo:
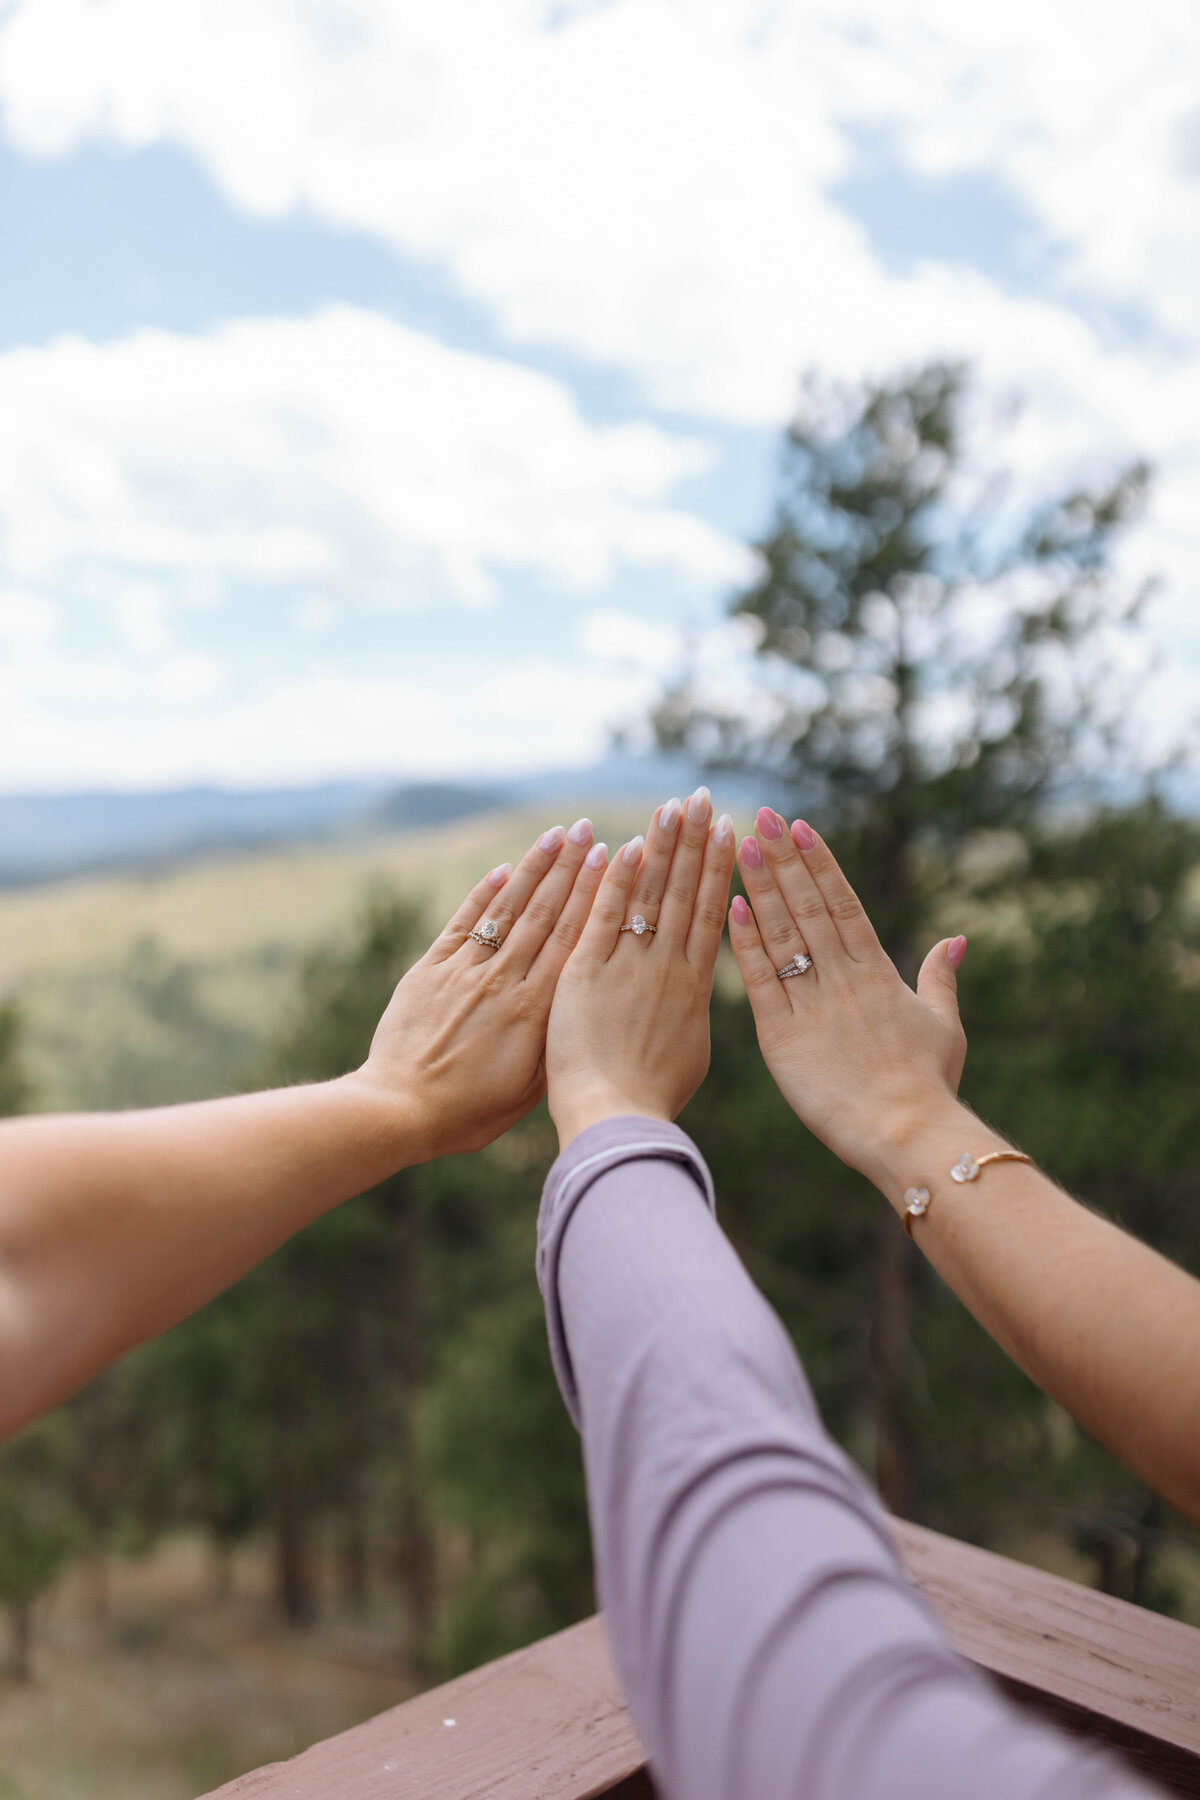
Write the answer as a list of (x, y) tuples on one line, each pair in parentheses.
[(459, 1055), (857, 1055), (629, 1025)]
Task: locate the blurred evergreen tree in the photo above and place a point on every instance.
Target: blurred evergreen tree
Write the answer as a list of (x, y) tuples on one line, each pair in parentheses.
[(936, 660)]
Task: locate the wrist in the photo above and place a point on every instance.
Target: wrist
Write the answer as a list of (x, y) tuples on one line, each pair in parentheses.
[(574, 1109), (389, 1125), (908, 1141)]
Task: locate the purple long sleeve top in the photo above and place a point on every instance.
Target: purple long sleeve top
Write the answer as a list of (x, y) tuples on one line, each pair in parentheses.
[(768, 1640)]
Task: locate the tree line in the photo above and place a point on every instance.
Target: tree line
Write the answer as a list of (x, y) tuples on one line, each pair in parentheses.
[(938, 685)]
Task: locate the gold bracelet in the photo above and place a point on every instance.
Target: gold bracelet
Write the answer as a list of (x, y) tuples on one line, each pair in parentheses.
[(916, 1199)]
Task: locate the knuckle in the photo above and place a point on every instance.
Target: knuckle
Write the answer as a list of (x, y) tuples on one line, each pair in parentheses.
[(682, 892), (541, 912), (567, 932), (846, 908), (710, 914)]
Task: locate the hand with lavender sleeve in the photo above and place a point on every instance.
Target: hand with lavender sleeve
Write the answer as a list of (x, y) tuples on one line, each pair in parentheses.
[(765, 1633)]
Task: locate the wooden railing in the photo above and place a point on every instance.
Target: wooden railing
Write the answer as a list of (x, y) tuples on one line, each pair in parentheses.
[(548, 1723)]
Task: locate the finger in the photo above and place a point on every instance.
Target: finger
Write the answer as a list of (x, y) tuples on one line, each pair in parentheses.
[(780, 934), (656, 862), (708, 914), (768, 995), (551, 958), (541, 914), (473, 908), (514, 896), (683, 876), (801, 895), (841, 902), (937, 983), (600, 935)]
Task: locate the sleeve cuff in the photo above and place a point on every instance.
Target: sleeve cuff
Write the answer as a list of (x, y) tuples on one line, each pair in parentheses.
[(595, 1152)]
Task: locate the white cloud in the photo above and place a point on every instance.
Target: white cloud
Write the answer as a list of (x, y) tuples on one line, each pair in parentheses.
[(92, 721), (340, 454), (26, 620)]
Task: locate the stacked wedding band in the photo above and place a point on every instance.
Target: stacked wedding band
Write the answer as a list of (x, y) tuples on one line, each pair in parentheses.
[(799, 965), (488, 934)]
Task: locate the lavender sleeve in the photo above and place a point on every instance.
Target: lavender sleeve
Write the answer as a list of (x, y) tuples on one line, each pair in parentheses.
[(768, 1640)]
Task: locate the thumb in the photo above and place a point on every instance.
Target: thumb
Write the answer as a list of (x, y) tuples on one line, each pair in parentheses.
[(937, 984)]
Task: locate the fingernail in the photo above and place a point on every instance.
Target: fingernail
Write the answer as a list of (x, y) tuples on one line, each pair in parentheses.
[(723, 830), (551, 840), (580, 831), (740, 911), (499, 875), (597, 857), (633, 850), (668, 817), (803, 836), (956, 949), (751, 854), (700, 806), (768, 823)]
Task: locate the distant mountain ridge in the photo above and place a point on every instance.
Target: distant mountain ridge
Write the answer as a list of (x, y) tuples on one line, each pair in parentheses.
[(45, 837)]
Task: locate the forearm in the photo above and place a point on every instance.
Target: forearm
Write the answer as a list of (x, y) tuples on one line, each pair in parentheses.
[(1104, 1324), (767, 1638), (115, 1226)]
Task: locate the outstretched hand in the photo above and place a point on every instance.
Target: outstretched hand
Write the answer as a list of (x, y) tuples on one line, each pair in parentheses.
[(629, 1025), (460, 1052), (858, 1056)]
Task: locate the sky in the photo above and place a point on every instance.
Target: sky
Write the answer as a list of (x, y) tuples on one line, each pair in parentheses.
[(393, 389)]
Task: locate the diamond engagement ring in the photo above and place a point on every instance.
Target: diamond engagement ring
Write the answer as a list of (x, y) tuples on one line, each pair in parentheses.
[(488, 934), (799, 965), (639, 927)]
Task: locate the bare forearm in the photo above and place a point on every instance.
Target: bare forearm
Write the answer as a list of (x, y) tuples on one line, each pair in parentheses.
[(113, 1227), (1104, 1324)]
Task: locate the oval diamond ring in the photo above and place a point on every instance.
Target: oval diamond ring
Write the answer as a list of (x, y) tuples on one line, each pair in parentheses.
[(488, 934), (799, 965), (639, 927)]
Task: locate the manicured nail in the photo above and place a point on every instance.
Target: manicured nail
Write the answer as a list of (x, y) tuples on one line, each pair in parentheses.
[(499, 875), (803, 836), (956, 949), (633, 851), (552, 840), (768, 823), (700, 806), (740, 911), (580, 831), (751, 854), (597, 857), (723, 831), (668, 817)]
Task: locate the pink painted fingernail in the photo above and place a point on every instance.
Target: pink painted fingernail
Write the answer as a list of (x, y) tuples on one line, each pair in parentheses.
[(768, 823), (700, 806), (740, 911), (803, 836), (552, 840), (956, 949), (751, 854), (723, 831), (633, 851), (499, 875), (597, 857), (668, 818), (580, 831)]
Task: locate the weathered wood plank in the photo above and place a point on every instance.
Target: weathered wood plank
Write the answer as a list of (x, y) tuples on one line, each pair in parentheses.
[(1066, 1641), (547, 1723)]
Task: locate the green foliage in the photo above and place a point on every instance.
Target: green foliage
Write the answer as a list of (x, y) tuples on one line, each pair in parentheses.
[(15, 1088)]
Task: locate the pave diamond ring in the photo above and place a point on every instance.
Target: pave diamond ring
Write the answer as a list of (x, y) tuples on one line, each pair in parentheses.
[(799, 965), (639, 927), (488, 934)]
